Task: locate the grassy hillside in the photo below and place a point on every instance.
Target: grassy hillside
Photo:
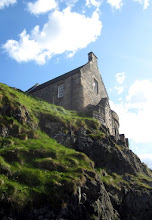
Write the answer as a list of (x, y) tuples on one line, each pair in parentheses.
[(36, 170)]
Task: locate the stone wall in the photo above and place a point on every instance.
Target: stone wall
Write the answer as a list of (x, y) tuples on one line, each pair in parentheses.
[(84, 90), (99, 114), (108, 118), (115, 124), (79, 91), (72, 98), (124, 141), (89, 73)]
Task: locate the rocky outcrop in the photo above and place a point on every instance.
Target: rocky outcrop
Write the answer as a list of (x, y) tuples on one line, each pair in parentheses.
[(104, 151), (91, 201), (129, 202), (136, 204), (118, 186)]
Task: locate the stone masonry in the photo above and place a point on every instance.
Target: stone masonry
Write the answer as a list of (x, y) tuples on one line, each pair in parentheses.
[(81, 89)]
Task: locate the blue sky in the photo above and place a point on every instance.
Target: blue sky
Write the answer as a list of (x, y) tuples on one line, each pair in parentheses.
[(42, 39)]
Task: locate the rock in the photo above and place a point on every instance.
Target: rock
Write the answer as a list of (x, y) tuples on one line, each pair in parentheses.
[(17, 111), (90, 202), (136, 205), (93, 197), (4, 132)]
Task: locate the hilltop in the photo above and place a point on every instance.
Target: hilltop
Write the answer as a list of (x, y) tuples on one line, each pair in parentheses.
[(58, 164)]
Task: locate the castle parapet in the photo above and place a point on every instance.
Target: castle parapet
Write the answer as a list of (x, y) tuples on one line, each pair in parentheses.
[(115, 120), (115, 116), (122, 140)]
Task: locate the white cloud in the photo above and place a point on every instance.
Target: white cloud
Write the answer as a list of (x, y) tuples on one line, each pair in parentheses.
[(145, 3), (146, 156), (117, 4), (93, 2), (6, 3), (139, 94), (120, 77), (147, 159), (24, 50), (119, 89), (65, 31), (41, 6), (135, 113)]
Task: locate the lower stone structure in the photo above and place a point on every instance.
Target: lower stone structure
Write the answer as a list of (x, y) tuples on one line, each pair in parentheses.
[(106, 116), (123, 140)]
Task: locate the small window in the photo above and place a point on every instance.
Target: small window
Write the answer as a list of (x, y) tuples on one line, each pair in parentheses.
[(95, 86), (61, 91)]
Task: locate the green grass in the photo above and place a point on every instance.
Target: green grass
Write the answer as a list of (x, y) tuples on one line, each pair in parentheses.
[(40, 168), (117, 181), (112, 179), (35, 169), (140, 181), (97, 135), (35, 106)]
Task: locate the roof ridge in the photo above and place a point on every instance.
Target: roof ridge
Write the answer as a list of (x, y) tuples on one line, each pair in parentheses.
[(58, 78)]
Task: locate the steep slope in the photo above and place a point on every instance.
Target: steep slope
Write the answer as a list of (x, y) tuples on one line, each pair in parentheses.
[(56, 164)]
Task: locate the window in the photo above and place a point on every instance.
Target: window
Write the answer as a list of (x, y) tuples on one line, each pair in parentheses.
[(95, 86), (61, 91)]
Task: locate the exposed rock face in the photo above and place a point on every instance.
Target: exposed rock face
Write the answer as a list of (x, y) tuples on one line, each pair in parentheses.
[(137, 205), (95, 198), (105, 154), (127, 203), (90, 201), (20, 113), (103, 151)]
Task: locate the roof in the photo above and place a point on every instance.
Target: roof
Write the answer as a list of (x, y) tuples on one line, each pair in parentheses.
[(32, 88), (52, 81)]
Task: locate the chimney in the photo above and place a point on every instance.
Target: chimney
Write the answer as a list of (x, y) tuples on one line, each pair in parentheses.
[(92, 57)]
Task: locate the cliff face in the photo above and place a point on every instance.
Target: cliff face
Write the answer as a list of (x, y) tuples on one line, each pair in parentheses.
[(55, 164)]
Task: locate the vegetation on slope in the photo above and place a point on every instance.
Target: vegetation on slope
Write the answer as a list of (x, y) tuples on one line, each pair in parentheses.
[(38, 170), (17, 100), (35, 169)]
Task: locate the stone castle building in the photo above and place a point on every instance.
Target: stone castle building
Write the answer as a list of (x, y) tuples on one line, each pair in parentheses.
[(81, 89)]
